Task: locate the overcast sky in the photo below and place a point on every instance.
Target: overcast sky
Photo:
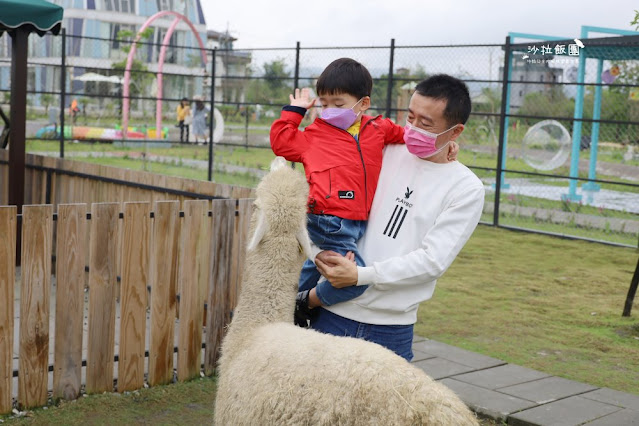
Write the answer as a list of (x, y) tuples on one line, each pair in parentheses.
[(330, 23)]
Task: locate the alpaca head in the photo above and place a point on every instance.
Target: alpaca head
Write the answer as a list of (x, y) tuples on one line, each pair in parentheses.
[(280, 207)]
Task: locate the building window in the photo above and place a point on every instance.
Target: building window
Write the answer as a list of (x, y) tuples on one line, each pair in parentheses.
[(124, 6), (117, 40), (541, 77), (165, 5)]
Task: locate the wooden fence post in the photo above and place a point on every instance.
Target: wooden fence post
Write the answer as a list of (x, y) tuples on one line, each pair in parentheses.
[(135, 270), (33, 370), (102, 295), (193, 275), (8, 225), (223, 224), (163, 297), (69, 307)]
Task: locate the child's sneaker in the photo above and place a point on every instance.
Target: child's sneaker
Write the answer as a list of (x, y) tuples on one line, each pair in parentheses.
[(303, 314)]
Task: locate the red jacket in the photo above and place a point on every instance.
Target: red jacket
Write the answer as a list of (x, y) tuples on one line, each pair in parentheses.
[(342, 172)]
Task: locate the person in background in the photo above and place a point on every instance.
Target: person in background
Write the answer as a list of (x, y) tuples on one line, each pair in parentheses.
[(74, 110), (183, 116), (200, 114)]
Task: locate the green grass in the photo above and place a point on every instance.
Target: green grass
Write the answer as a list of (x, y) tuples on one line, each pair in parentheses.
[(541, 302), (189, 403), (569, 229), (543, 203)]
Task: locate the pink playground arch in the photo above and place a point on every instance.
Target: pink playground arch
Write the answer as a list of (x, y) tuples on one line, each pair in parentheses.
[(127, 70)]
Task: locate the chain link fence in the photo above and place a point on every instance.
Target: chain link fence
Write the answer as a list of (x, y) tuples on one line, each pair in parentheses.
[(553, 135)]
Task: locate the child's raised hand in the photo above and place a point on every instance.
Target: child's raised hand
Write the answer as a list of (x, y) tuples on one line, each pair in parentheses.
[(301, 98)]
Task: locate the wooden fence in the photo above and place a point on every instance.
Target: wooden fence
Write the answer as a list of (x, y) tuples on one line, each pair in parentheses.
[(50, 180), (169, 259)]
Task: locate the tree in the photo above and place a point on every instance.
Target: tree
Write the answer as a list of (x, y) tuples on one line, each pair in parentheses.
[(401, 77), (273, 87), (47, 100), (140, 78)]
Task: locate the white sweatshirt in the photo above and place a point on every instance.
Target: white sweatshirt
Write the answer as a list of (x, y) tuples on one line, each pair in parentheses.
[(422, 215)]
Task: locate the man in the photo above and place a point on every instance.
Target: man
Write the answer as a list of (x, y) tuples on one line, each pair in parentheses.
[(425, 209)]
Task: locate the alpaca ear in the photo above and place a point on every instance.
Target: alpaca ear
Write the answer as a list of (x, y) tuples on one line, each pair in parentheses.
[(261, 226), (278, 163), (304, 240)]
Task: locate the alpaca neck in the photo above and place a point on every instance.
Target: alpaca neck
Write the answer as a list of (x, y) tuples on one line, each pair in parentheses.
[(269, 286)]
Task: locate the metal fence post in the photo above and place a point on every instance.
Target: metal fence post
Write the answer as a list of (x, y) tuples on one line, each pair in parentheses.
[(634, 283), (296, 81), (389, 89), (211, 116), (502, 130), (296, 77), (63, 88)]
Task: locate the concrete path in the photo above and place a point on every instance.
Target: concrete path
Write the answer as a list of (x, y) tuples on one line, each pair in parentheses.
[(521, 396)]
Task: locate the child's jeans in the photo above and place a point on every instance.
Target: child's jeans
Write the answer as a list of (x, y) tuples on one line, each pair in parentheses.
[(339, 235)]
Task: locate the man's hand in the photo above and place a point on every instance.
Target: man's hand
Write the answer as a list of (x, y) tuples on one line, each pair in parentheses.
[(453, 150), (301, 99), (340, 271)]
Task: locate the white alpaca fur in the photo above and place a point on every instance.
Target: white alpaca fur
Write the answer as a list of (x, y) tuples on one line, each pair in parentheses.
[(274, 373)]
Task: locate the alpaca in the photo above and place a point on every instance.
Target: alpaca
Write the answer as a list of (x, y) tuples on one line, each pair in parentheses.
[(274, 373)]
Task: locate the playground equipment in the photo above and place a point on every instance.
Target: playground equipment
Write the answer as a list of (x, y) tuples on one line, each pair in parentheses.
[(601, 50), (99, 133), (546, 145), (127, 71)]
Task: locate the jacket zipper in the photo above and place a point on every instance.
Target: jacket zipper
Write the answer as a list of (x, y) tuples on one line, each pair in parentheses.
[(361, 156)]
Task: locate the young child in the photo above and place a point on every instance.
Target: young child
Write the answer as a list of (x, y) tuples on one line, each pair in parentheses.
[(183, 112), (342, 156)]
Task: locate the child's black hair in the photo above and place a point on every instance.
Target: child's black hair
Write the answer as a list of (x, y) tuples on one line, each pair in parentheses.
[(345, 75)]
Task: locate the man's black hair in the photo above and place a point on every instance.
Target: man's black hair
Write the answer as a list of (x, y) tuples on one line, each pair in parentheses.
[(453, 91), (345, 75)]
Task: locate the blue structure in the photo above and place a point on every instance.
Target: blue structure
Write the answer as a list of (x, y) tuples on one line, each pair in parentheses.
[(601, 50), (512, 36), (596, 113)]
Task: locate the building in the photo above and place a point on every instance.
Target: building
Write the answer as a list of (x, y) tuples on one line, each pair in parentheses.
[(229, 63), (95, 30), (532, 76)]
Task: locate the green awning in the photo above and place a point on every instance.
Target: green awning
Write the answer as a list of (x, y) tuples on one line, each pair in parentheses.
[(39, 16)]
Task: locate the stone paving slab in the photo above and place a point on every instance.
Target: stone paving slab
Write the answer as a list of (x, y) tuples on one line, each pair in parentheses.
[(501, 376), (420, 356), (438, 368), (613, 397), (625, 417), (571, 411), (487, 402), (546, 390), (458, 355), (521, 396)]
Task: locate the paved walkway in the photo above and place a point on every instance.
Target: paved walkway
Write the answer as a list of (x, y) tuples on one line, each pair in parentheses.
[(521, 396)]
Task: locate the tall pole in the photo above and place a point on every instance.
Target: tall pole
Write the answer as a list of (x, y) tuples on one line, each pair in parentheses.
[(18, 117), (389, 89), (503, 123), (296, 80), (63, 88), (211, 115), (17, 129)]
